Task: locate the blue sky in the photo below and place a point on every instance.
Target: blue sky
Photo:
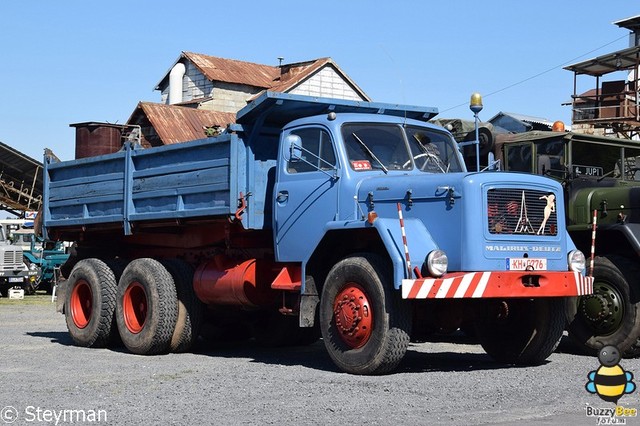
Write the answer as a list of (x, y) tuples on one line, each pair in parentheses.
[(72, 61)]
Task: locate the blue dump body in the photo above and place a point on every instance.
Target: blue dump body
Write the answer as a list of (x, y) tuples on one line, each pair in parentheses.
[(173, 182)]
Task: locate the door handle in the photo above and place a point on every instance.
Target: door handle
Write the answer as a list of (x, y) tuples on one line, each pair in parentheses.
[(282, 196)]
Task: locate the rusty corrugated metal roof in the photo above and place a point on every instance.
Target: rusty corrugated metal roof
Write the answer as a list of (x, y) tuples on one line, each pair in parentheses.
[(281, 78), (234, 71), (175, 124), (294, 74)]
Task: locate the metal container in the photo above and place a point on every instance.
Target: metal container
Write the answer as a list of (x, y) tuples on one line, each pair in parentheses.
[(94, 139)]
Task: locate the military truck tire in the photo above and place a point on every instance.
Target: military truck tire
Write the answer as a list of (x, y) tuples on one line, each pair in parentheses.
[(363, 322), (90, 304), (190, 308), (147, 307), (612, 315), (519, 331)]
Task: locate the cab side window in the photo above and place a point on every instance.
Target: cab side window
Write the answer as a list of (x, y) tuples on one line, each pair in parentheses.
[(316, 153)]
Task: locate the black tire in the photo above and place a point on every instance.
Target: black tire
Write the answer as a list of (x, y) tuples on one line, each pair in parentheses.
[(147, 307), (190, 308), (358, 298), (611, 316), (519, 331), (90, 304)]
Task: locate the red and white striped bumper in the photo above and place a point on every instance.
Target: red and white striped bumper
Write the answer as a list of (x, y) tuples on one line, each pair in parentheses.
[(497, 284)]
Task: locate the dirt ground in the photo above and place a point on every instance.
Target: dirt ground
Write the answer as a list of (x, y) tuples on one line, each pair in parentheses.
[(451, 381)]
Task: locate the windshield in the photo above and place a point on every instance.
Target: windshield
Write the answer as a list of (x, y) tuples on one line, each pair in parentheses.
[(391, 147), (591, 159)]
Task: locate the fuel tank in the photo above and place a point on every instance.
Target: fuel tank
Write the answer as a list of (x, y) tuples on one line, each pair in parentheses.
[(225, 281)]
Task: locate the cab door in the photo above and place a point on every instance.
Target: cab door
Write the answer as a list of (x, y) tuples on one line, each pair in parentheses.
[(306, 192)]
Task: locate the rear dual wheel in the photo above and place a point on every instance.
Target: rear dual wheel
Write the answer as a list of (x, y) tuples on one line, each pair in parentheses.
[(147, 308), (190, 308), (90, 304)]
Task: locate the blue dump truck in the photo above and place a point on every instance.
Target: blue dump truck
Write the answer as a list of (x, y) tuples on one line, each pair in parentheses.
[(354, 221)]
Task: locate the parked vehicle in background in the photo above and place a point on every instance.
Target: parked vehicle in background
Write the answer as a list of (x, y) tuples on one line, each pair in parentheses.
[(22, 237), (45, 256), (358, 220), (10, 225), (598, 174), (14, 273)]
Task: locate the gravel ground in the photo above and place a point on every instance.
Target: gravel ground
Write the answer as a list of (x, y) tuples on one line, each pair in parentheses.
[(44, 377)]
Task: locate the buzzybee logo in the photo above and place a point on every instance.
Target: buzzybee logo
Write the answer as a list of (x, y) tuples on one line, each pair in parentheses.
[(610, 381)]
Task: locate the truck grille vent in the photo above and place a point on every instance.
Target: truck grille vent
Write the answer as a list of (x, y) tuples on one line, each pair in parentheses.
[(521, 211), (12, 258)]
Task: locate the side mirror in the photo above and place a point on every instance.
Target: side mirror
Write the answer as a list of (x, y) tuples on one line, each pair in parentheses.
[(294, 144)]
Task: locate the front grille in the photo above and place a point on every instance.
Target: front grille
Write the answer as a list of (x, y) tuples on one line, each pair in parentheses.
[(12, 258), (521, 211)]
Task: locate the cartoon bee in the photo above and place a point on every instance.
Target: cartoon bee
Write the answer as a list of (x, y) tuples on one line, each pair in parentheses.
[(610, 381)]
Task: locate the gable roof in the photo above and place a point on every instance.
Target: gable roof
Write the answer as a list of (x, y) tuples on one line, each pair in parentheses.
[(281, 78), (175, 124)]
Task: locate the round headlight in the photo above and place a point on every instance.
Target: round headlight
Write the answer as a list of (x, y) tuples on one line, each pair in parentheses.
[(437, 263), (577, 261)]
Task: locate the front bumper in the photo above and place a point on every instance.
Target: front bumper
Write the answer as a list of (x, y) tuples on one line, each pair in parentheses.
[(503, 284)]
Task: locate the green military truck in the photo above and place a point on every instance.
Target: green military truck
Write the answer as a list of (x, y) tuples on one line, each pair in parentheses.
[(598, 174)]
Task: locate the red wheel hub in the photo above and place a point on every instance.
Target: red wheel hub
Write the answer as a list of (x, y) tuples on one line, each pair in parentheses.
[(352, 315), (134, 307), (81, 304)]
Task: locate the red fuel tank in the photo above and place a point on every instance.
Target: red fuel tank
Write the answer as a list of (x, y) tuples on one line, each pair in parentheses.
[(223, 281)]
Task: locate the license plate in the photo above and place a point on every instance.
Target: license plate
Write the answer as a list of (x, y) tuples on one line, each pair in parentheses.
[(526, 264), (16, 279)]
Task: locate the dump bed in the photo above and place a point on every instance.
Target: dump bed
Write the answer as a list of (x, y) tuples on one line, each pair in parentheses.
[(185, 180)]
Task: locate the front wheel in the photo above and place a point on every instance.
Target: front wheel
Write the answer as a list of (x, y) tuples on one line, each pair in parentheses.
[(610, 316), (519, 331), (364, 325)]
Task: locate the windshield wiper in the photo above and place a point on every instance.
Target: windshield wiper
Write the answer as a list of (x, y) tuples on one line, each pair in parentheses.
[(364, 145), (431, 156)]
